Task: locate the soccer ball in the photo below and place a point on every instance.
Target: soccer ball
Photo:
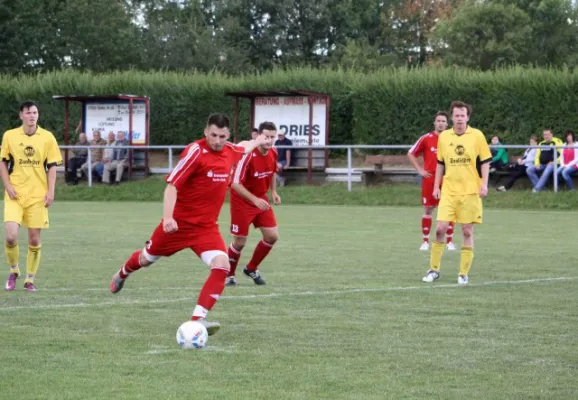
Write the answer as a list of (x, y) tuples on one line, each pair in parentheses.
[(192, 335)]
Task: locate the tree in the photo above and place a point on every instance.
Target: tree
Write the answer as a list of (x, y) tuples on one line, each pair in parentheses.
[(484, 36)]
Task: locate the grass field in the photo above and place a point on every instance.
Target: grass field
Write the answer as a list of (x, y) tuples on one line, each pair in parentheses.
[(344, 314)]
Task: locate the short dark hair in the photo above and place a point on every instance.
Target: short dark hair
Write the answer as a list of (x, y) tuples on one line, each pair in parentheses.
[(27, 104), (266, 125), (219, 120), (534, 138), (442, 114), (255, 130), (460, 104), (570, 132)]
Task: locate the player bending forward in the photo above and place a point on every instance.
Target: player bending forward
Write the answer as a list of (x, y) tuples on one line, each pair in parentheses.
[(193, 198), (463, 161), (428, 146), (253, 177)]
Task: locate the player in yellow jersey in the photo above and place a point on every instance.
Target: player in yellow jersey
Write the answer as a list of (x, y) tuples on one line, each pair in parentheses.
[(29, 156), (463, 162)]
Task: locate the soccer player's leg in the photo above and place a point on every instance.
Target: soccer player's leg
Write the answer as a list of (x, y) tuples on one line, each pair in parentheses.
[(469, 213), (211, 248), (446, 214), (428, 202), (35, 218), (241, 219), (267, 223), (13, 214), (161, 244)]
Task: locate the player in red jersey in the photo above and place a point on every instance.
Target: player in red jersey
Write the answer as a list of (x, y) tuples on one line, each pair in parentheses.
[(195, 193), (427, 146), (252, 179)]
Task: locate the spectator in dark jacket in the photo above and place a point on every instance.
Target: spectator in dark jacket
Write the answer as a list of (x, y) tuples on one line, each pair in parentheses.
[(75, 162)]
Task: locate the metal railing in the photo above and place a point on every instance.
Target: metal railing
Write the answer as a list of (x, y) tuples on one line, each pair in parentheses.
[(349, 149)]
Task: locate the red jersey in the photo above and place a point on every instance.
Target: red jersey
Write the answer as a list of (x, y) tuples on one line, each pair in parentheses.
[(255, 172), (201, 178), (428, 146)]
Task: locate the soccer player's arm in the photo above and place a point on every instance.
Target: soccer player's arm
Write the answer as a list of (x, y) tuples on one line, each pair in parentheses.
[(250, 145), (485, 156), (239, 177), (178, 177), (53, 159), (440, 168), (414, 152), (5, 159)]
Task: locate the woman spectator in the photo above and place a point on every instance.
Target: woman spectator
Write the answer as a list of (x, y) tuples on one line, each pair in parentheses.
[(500, 158), (569, 160)]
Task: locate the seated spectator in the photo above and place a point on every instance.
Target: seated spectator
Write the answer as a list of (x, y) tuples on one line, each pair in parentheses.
[(569, 160), (95, 154), (518, 169), (283, 157), (75, 162), (107, 154), (500, 158), (254, 133), (544, 162), (119, 160)]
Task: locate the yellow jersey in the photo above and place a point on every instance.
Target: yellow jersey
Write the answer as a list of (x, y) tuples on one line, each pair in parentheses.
[(462, 156), (28, 158)]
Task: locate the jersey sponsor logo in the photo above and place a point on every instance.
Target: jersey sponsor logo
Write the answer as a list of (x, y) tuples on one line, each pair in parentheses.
[(460, 150), (217, 177), (261, 175), (28, 152), (433, 149), (462, 158)]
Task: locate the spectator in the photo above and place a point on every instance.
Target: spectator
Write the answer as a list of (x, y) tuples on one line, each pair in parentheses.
[(500, 158), (283, 157), (95, 154), (569, 160), (76, 161), (118, 161), (544, 162), (254, 133), (107, 154), (518, 169)]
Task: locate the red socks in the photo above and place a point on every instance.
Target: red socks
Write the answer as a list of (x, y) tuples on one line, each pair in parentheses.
[(426, 221), (234, 256), (210, 293), (131, 265), (263, 248), (450, 233)]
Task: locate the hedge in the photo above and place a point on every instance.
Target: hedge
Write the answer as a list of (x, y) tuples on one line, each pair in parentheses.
[(390, 106)]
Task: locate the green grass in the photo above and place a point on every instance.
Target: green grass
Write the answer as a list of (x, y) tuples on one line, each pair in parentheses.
[(330, 194), (344, 314)]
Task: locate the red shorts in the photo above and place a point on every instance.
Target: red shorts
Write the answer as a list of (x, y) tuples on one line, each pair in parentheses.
[(427, 187), (205, 242), (243, 216)]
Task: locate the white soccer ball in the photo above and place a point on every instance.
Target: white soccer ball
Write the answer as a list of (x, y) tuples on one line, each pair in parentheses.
[(192, 335)]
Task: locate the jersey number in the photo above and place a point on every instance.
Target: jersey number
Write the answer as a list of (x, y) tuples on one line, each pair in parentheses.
[(234, 228)]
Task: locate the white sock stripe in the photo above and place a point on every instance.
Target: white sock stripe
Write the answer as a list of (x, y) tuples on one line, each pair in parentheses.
[(234, 250), (427, 216)]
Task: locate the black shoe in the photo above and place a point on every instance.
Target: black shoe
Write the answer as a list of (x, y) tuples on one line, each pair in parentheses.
[(255, 276)]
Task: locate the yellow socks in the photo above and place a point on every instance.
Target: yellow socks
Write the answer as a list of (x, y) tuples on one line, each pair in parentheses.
[(12, 255), (32, 262), (466, 259), (437, 250)]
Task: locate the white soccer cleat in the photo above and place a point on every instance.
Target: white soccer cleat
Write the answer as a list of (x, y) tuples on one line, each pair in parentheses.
[(451, 246), (431, 276), (424, 246), (462, 280)]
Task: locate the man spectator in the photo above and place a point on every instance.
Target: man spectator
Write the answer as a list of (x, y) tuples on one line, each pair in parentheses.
[(544, 162), (118, 161), (76, 161), (107, 154), (254, 133), (95, 154), (518, 169), (283, 156)]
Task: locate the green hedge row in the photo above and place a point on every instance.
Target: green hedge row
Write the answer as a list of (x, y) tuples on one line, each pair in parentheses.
[(386, 107)]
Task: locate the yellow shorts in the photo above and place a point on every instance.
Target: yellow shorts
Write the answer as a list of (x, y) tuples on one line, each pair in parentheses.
[(30, 211), (465, 209)]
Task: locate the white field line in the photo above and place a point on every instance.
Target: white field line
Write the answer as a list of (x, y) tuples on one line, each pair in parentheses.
[(288, 294)]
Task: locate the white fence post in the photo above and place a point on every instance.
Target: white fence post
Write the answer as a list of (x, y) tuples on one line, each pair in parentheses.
[(349, 163)]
